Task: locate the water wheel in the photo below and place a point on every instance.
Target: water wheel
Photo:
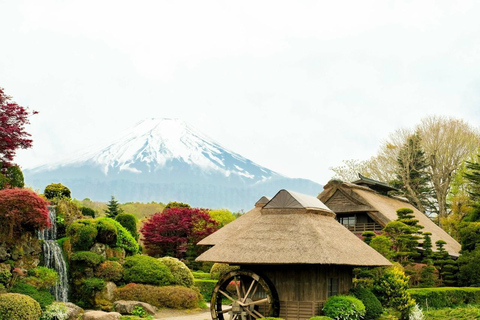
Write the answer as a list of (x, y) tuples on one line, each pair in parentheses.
[(244, 295)]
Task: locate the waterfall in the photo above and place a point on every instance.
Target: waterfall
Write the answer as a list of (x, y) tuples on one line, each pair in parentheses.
[(53, 257)]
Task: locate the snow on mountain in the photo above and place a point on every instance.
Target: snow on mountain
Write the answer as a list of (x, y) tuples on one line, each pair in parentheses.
[(167, 159)]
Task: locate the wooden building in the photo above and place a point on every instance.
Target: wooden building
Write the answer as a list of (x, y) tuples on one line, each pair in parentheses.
[(364, 205), (292, 254)]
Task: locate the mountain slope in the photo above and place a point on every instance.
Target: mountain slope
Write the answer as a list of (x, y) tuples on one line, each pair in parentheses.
[(165, 160)]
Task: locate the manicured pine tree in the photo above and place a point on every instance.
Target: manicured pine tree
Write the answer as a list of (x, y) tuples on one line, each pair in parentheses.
[(113, 208), (427, 248), (445, 265), (368, 236), (410, 235)]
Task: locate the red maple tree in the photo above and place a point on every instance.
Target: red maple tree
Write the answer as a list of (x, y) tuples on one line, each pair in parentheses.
[(13, 136), (22, 210), (176, 231)]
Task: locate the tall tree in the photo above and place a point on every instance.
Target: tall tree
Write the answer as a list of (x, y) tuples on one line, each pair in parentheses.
[(413, 179), (13, 136), (473, 180), (113, 208)]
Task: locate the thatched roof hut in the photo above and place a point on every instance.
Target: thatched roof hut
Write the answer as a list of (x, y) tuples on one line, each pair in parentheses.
[(364, 205)]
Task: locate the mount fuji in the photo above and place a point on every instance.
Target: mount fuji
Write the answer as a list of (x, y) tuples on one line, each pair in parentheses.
[(167, 160)]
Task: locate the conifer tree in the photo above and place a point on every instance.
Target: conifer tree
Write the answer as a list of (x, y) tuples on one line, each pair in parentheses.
[(427, 247), (113, 208), (473, 179), (445, 264)]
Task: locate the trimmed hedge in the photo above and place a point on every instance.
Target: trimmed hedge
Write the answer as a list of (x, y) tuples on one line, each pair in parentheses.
[(14, 306), (129, 222), (344, 307), (124, 239), (372, 305), (175, 297), (43, 297), (201, 275), (181, 274), (88, 258), (445, 297), (82, 234), (219, 269), (321, 318), (147, 270), (206, 288)]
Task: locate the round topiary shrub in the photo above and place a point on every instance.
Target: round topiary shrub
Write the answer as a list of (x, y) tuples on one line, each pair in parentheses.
[(372, 305), (55, 191), (87, 212), (82, 233), (180, 272), (219, 269), (87, 258), (110, 271), (107, 231), (43, 297), (321, 318), (129, 222), (124, 239), (147, 270), (14, 306), (344, 307)]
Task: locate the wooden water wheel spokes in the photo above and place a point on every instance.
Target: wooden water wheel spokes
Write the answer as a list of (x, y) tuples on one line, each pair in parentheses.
[(244, 295)]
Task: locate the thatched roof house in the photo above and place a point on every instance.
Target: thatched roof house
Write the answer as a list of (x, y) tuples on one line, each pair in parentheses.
[(364, 205), (291, 228)]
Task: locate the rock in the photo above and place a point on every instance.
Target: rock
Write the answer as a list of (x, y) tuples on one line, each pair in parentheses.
[(73, 311), (100, 249), (101, 315), (127, 306), (104, 299)]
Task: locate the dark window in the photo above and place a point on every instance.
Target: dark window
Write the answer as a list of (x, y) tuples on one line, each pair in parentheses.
[(347, 220), (332, 286)]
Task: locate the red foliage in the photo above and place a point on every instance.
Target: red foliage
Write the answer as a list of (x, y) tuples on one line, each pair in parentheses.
[(22, 210), (176, 230), (13, 136)]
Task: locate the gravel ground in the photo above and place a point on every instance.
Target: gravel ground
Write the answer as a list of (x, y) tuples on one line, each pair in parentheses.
[(171, 314)]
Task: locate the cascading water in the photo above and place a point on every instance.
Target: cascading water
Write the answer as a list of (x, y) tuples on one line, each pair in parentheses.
[(53, 257)]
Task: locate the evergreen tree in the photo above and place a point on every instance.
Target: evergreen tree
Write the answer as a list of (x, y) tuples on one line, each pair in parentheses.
[(446, 266), (412, 177), (427, 247), (113, 208), (368, 236), (473, 179)]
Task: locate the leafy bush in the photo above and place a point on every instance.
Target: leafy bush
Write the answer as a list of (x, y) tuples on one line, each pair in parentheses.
[(129, 222), (391, 289), (56, 191), (5, 275), (87, 212), (175, 297), (147, 270), (85, 292), (219, 269), (107, 231), (469, 234), (344, 307), (445, 297), (416, 313), (181, 274), (468, 274), (14, 306), (55, 311), (43, 297), (21, 210), (206, 288), (124, 239), (321, 318), (87, 258), (373, 307), (82, 234), (110, 271), (41, 277)]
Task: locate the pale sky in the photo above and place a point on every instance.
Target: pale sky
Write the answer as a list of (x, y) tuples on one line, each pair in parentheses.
[(296, 86)]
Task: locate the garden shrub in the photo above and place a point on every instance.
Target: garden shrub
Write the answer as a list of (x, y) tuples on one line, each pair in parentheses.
[(344, 307), (5, 275), (124, 239), (201, 275), (445, 297), (14, 306), (55, 311), (175, 297), (85, 291), (87, 212), (219, 269), (182, 276), (129, 222), (41, 277), (147, 270), (87, 258), (107, 231), (43, 297), (110, 271), (82, 234), (55, 191), (272, 318), (373, 307), (321, 318), (206, 288)]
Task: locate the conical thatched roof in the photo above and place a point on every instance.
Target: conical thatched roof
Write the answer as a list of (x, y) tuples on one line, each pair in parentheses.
[(381, 208), (290, 229)]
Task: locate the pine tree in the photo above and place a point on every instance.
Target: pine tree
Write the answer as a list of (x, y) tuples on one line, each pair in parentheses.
[(473, 179), (113, 208), (413, 179), (446, 266), (427, 247)]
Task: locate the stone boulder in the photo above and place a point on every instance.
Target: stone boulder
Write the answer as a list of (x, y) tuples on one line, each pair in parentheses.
[(73, 311), (104, 299), (100, 249), (127, 306), (101, 315)]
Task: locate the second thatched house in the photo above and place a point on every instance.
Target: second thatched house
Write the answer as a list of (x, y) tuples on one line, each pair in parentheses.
[(364, 205)]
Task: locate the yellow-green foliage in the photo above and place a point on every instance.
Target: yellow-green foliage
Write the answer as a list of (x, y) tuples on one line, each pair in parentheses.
[(391, 289), (147, 270), (82, 234), (15, 306), (180, 272), (219, 269), (41, 277), (110, 271), (138, 209), (222, 216), (344, 308), (57, 191), (206, 288), (445, 297)]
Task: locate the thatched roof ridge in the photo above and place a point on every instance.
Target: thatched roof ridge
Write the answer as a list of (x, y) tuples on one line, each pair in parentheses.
[(286, 199), (262, 201), (289, 235)]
